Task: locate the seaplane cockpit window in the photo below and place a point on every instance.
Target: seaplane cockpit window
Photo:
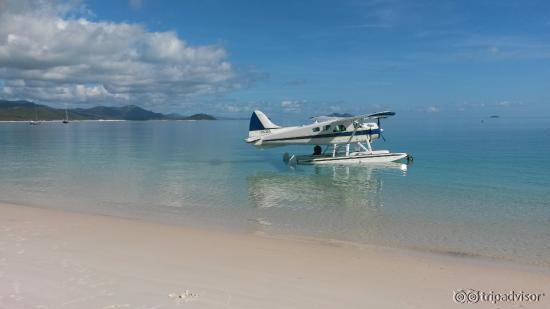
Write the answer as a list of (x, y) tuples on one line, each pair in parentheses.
[(340, 128), (327, 127), (316, 129)]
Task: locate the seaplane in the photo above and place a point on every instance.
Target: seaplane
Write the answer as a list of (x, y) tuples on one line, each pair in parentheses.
[(346, 139)]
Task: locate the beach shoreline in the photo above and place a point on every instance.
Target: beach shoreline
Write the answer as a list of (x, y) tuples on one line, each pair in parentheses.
[(58, 259)]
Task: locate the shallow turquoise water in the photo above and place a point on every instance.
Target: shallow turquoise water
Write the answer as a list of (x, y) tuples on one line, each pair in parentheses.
[(474, 188)]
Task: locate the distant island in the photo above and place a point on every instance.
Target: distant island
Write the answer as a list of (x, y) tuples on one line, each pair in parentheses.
[(26, 111)]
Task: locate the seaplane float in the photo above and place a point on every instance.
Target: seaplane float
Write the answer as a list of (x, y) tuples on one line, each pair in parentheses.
[(346, 139)]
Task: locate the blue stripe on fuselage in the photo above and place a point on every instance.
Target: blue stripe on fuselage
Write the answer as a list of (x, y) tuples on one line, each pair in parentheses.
[(347, 133)]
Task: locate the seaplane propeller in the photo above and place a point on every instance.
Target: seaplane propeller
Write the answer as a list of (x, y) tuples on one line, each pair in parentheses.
[(380, 128)]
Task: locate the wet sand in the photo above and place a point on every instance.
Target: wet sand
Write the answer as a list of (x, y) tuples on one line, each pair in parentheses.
[(54, 259)]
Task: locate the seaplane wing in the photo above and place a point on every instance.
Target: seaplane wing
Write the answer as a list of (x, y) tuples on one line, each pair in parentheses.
[(324, 131), (379, 115)]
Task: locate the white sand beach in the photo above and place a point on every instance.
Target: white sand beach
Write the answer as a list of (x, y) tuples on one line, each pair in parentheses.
[(53, 259)]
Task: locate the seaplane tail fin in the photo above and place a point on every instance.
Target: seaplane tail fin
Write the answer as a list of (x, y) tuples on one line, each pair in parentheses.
[(259, 121)]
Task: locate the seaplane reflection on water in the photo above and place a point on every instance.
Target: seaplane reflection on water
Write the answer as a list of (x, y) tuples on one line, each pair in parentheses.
[(338, 199), (346, 139), (322, 187)]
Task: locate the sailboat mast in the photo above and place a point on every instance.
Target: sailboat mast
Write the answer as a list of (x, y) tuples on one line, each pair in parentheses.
[(66, 120)]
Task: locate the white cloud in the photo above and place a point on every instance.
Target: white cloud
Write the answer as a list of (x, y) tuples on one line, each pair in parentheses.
[(433, 109), (503, 103), (493, 50), (504, 47), (47, 55), (235, 107), (291, 105), (470, 47)]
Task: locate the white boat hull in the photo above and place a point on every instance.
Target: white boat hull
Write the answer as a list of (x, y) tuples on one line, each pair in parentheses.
[(353, 158)]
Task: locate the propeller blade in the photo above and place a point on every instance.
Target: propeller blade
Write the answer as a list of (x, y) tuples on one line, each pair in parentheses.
[(379, 128)]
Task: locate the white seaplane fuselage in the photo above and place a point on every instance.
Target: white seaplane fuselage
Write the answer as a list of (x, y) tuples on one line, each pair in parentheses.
[(336, 131), (320, 133)]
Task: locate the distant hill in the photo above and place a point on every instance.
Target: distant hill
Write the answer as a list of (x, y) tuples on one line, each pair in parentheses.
[(174, 116), (201, 117), (128, 112), (25, 110)]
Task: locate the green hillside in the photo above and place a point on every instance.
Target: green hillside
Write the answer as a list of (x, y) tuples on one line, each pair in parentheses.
[(26, 111)]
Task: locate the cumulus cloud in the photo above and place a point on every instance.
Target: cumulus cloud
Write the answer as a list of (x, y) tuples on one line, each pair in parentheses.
[(291, 105), (48, 55)]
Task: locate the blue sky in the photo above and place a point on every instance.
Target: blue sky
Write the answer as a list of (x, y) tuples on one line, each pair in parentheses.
[(309, 57)]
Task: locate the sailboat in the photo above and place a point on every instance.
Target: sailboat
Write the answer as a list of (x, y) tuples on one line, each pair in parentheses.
[(35, 121), (66, 120)]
